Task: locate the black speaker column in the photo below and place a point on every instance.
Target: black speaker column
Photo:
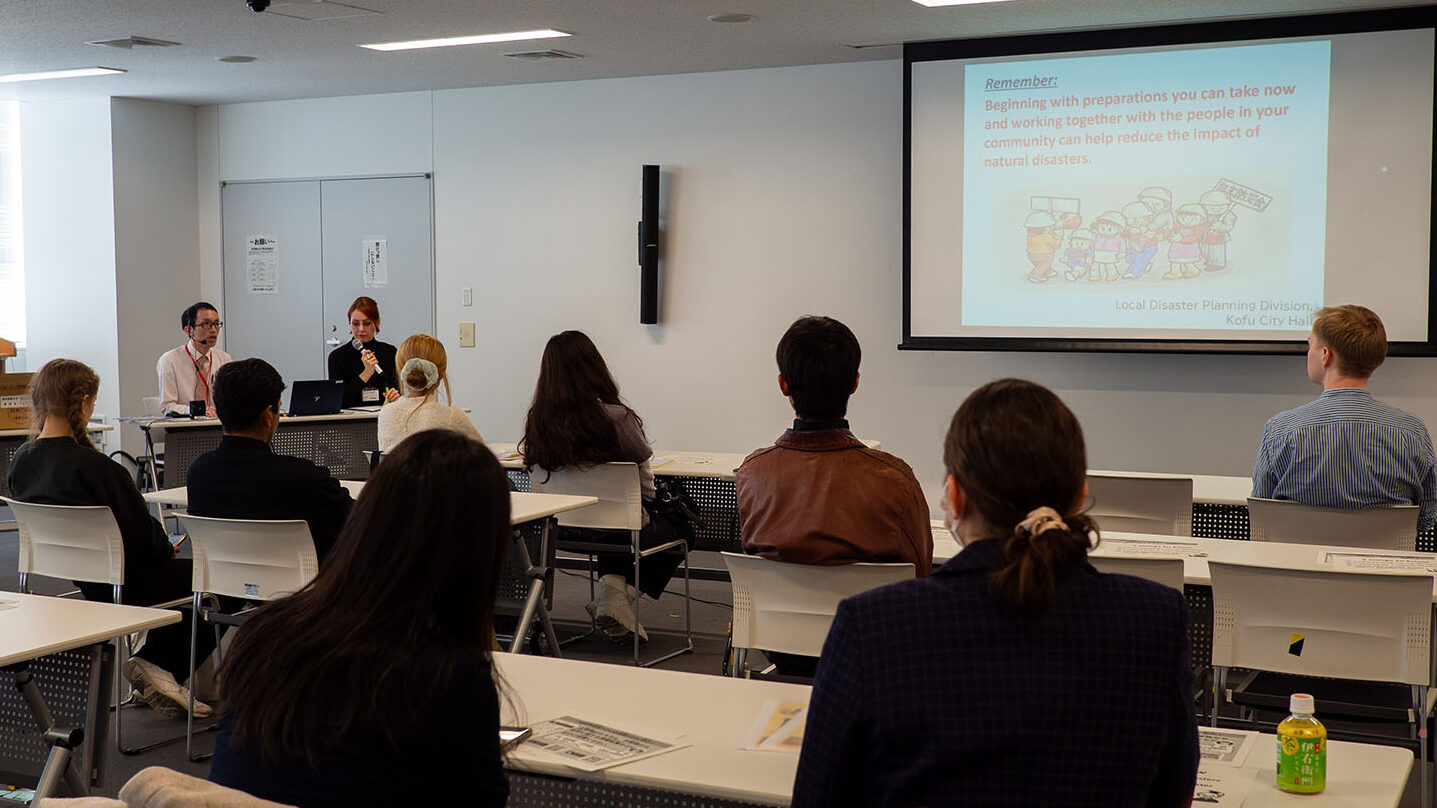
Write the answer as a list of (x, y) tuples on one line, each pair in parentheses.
[(649, 249)]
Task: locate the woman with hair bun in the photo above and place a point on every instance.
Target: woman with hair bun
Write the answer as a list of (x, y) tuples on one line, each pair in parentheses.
[(1016, 674), (423, 367)]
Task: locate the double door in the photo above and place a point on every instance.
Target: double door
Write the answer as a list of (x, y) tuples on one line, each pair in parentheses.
[(297, 253)]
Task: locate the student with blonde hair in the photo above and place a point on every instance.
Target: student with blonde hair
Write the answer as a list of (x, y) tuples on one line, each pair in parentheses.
[(422, 368)]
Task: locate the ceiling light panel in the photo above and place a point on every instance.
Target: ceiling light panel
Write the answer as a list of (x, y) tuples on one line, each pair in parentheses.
[(936, 3), (74, 73), (478, 39)]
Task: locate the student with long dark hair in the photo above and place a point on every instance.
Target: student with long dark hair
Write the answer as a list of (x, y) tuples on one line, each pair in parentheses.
[(578, 420), (1015, 674), (60, 466), (378, 673)]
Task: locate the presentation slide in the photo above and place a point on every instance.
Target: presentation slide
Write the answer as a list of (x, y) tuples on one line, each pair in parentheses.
[(1223, 191)]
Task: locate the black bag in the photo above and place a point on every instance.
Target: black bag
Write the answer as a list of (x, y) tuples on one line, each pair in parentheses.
[(672, 502)]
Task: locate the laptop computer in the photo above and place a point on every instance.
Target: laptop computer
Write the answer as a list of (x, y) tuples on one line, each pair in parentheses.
[(318, 397)]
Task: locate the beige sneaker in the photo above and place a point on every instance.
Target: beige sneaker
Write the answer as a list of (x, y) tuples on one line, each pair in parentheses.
[(156, 687), (613, 610)]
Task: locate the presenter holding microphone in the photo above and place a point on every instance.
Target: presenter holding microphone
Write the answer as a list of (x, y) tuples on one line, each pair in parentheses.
[(364, 364)]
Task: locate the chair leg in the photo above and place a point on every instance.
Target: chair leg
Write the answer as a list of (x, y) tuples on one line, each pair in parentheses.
[(688, 619), (1219, 683), (1419, 711), (634, 536)]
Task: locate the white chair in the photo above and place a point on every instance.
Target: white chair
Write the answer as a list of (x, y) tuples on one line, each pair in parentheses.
[(785, 607), (249, 559), (151, 405), (1340, 625), (1165, 570), (620, 508), (1137, 504), (1389, 528), (79, 543)]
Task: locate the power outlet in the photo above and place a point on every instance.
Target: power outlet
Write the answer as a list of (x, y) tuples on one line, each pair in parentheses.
[(466, 335), (466, 296)]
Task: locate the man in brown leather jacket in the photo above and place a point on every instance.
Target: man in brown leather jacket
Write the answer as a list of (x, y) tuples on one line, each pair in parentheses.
[(819, 495)]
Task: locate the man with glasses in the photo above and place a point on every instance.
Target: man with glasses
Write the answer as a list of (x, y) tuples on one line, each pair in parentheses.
[(187, 373)]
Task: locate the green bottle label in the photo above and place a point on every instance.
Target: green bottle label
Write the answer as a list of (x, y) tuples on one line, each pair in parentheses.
[(1301, 763)]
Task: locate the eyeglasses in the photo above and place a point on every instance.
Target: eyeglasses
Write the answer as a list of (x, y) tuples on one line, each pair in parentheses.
[(209, 324)]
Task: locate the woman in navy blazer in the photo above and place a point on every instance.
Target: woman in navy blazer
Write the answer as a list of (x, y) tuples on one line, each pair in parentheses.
[(1016, 674)]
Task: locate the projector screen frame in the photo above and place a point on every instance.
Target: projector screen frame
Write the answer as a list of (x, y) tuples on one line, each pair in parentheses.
[(1257, 28)]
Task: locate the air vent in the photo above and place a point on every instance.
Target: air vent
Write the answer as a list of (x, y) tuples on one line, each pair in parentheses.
[(541, 55), (130, 42), (319, 10)]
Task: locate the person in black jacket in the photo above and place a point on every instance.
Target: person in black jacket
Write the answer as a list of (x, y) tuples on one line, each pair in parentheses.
[(244, 479), (59, 466), (378, 672), (364, 364)]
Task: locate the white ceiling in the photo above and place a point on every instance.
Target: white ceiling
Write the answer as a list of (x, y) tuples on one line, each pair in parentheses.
[(300, 58)]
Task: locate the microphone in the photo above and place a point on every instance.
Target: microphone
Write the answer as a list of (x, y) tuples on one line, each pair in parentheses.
[(359, 346)]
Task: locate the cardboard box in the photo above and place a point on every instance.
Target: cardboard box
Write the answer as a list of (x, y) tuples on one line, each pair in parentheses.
[(15, 400)]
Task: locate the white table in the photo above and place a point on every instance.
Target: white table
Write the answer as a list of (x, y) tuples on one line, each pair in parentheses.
[(715, 711), (43, 637)]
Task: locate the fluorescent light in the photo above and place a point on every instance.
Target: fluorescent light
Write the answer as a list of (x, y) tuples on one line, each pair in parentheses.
[(935, 3), (477, 39), (58, 74)]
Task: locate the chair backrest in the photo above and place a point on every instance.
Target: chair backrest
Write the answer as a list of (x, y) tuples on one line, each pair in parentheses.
[(151, 405), (1390, 528), (1341, 624), (785, 607), (620, 505), (1165, 570), (251, 558), (75, 542), (1138, 504)]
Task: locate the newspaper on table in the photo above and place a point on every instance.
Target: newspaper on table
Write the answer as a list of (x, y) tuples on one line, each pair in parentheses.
[(1176, 549), (1222, 786), (778, 727), (591, 747), (1348, 560), (1224, 747)]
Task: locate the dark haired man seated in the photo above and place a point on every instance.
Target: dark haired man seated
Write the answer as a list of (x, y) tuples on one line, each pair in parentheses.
[(819, 495), (243, 479)]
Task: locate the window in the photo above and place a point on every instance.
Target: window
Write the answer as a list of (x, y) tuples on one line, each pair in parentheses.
[(12, 253)]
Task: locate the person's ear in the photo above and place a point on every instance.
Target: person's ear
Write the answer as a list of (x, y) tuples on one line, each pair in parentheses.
[(783, 386), (855, 384), (953, 498), (1082, 498)]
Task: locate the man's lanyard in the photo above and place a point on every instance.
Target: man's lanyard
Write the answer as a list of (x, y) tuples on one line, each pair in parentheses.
[(199, 375)]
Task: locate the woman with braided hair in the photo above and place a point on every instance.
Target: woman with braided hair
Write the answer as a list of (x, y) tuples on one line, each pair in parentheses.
[(59, 466), (1015, 674)]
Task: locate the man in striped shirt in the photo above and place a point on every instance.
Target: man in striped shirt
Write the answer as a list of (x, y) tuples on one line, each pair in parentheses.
[(1347, 449)]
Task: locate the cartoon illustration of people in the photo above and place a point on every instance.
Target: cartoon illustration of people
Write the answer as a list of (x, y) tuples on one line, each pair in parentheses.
[(1107, 242), (1141, 241), (1160, 202), (1185, 242), (1218, 228), (1079, 255), (1043, 241)]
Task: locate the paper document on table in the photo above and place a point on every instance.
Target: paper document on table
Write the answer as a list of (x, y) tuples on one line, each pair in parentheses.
[(778, 727), (1176, 549), (1377, 561), (687, 460), (363, 409), (8, 604), (590, 747), (1224, 747), (1222, 786)]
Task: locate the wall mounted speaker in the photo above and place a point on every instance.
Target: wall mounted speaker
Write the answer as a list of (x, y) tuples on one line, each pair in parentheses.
[(649, 248)]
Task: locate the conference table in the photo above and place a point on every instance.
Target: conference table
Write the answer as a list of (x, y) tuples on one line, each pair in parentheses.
[(64, 644), (337, 442), (713, 714)]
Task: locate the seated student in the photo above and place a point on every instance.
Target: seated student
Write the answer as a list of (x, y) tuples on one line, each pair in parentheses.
[(577, 419), (819, 495), (187, 373), (243, 479), (1346, 449), (367, 369), (59, 466), (1015, 674), (422, 365), (378, 673)]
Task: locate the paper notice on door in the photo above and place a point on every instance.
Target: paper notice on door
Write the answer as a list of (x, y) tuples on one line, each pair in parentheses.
[(376, 262), (262, 264)]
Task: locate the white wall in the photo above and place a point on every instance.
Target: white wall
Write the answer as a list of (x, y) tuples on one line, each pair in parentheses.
[(70, 298), (156, 240), (783, 198)]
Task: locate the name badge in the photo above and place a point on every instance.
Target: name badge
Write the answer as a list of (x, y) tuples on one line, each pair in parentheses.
[(370, 395)]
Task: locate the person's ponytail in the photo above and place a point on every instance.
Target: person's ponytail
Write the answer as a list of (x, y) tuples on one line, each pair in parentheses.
[(1039, 558)]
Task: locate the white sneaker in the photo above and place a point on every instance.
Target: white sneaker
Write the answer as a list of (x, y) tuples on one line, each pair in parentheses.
[(613, 610), (156, 687)]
